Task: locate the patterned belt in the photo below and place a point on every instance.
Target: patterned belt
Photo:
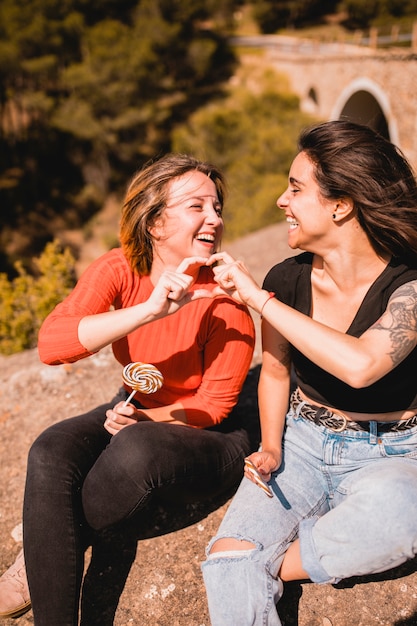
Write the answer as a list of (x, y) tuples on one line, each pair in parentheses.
[(338, 423)]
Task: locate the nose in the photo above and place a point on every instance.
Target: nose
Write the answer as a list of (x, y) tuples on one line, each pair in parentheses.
[(213, 217), (282, 200)]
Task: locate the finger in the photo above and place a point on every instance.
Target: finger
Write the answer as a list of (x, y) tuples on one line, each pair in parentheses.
[(175, 285), (110, 429), (225, 280), (174, 280), (252, 472), (223, 271), (220, 256), (197, 294), (127, 410), (116, 425), (223, 291), (178, 294), (190, 262)]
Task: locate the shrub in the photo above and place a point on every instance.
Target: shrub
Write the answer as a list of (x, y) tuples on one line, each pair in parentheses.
[(26, 300)]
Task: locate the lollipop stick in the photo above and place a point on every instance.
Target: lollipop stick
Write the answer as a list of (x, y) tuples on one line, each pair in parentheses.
[(126, 402)]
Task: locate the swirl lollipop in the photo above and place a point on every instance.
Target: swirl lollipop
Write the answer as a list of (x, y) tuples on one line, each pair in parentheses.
[(142, 377)]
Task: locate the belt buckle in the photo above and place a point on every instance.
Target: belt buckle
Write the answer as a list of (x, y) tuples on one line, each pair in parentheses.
[(341, 428)]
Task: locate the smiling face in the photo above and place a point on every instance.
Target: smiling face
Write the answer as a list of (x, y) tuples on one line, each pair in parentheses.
[(191, 224), (308, 213)]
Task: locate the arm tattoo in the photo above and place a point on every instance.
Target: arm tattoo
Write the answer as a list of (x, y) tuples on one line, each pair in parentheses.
[(402, 330)]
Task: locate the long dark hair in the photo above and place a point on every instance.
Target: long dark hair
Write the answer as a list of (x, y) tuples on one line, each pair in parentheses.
[(146, 199), (352, 160)]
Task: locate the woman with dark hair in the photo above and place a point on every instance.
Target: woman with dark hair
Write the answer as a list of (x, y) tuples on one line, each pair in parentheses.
[(340, 458), (91, 477)]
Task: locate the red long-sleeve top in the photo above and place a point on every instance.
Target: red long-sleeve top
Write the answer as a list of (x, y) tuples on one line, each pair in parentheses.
[(203, 351)]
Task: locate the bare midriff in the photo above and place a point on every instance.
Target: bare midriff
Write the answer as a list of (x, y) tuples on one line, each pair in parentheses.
[(392, 416)]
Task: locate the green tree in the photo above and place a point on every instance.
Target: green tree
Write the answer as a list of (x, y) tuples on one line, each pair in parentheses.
[(272, 15), (363, 14), (252, 137), (89, 90), (359, 13)]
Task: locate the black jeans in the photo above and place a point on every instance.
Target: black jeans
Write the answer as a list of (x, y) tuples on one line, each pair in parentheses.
[(86, 488)]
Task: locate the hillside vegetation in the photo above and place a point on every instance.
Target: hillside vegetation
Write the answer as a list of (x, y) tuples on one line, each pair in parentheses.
[(90, 90)]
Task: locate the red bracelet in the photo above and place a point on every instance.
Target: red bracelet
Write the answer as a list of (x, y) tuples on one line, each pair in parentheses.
[(271, 294)]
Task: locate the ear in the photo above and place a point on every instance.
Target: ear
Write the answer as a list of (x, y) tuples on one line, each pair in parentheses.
[(156, 231), (342, 209)]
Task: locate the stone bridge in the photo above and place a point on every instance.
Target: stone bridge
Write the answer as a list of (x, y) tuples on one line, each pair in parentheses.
[(364, 84)]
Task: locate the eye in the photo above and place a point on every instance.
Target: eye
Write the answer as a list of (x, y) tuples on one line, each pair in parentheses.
[(219, 211)]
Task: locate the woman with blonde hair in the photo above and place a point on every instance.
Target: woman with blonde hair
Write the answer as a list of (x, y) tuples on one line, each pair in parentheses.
[(91, 477)]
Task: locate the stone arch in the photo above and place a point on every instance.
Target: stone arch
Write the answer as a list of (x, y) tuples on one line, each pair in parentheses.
[(363, 101)]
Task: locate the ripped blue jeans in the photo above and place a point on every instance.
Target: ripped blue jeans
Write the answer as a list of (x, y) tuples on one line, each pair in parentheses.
[(351, 499)]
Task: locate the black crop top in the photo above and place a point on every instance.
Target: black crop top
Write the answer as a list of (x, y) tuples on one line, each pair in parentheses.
[(397, 391)]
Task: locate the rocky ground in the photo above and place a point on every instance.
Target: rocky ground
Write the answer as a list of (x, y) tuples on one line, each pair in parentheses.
[(165, 586)]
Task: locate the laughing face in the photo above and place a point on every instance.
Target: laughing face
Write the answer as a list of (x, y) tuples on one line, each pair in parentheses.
[(191, 223), (308, 213)]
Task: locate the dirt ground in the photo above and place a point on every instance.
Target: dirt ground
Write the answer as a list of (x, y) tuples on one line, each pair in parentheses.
[(165, 586)]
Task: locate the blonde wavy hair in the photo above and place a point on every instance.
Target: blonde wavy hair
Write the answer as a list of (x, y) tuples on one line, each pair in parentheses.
[(145, 201)]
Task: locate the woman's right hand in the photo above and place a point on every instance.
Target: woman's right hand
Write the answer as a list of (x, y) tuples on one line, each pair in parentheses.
[(170, 293), (265, 462), (173, 289)]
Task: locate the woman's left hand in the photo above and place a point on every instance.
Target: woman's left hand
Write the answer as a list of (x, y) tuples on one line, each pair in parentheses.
[(235, 280), (121, 416)]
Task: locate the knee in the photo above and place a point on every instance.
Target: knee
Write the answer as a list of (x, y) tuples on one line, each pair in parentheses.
[(49, 469), (119, 483), (46, 450), (226, 546), (396, 490)]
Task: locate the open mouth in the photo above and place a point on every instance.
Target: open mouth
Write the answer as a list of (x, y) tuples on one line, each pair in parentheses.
[(292, 223), (206, 238)]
